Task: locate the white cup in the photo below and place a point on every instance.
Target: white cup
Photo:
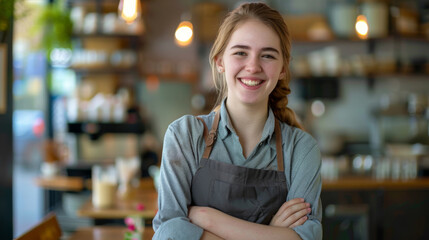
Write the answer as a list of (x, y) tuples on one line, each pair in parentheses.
[(377, 15), (90, 23), (343, 17)]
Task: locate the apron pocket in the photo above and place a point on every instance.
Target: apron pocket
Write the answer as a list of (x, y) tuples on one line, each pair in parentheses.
[(251, 203)]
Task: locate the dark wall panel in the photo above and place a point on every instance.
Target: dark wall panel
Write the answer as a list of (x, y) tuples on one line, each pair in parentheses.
[(6, 150)]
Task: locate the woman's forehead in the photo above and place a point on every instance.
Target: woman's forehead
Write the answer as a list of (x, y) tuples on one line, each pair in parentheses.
[(254, 34)]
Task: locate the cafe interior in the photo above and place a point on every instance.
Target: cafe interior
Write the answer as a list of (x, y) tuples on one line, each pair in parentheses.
[(89, 87)]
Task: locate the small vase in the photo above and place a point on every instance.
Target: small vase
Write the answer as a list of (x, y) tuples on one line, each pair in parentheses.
[(133, 236)]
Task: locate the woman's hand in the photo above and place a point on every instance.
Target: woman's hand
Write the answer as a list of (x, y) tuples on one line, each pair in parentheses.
[(291, 214)]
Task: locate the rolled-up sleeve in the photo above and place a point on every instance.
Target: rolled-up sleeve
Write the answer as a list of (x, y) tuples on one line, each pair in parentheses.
[(174, 194), (306, 182), (178, 228)]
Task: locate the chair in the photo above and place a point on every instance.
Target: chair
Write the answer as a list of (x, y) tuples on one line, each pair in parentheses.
[(47, 229)]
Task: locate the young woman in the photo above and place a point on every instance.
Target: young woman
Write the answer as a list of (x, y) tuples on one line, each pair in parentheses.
[(247, 170)]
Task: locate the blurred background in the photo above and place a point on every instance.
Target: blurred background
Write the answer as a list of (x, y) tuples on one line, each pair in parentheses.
[(84, 83)]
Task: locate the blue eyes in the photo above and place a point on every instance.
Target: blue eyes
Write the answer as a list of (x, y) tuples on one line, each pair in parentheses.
[(263, 56), (240, 53), (269, 56)]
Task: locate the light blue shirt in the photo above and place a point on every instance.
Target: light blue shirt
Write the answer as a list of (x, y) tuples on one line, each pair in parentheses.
[(184, 146)]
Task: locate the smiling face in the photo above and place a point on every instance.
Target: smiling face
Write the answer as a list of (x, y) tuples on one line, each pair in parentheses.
[(252, 63)]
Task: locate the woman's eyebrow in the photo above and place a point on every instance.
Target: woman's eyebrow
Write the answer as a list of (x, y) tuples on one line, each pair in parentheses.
[(240, 46), (271, 49), (263, 49)]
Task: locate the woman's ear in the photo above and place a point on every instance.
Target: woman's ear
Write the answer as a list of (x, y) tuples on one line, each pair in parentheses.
[(282, 74), (219, 64)]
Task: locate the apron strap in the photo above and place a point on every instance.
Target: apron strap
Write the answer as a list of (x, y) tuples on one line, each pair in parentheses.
[(279, 149), (210, 137)]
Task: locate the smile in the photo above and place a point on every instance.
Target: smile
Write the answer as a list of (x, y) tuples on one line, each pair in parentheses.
[(250, 82)]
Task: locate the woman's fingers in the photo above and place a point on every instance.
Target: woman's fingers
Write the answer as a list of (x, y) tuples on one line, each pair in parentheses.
[(294, 213), (291, 213), (299, 217), (290, 203), (299, 222), (291, 210)]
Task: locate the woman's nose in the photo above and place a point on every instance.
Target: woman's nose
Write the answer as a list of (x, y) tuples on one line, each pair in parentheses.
[(253, 65)]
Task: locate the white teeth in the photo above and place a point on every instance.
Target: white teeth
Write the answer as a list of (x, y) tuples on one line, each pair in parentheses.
[(250, 82)]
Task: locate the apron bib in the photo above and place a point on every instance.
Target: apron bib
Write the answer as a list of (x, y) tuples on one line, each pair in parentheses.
[(250, 194)]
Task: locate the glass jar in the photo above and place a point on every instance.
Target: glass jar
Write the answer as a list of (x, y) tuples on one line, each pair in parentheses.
[(104, 182)]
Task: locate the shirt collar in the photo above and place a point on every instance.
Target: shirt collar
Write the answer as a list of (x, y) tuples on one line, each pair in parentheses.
[(225, 126)]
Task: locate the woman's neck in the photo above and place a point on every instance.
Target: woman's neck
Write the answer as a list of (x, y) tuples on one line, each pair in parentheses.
[(248, 122), (248, 115)]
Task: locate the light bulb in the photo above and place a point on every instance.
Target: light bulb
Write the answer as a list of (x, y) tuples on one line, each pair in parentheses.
[(129, 10), (317, 108), (184, 34), (362, 27)]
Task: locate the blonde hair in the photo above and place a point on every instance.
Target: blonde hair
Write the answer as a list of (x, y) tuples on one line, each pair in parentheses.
[(278, 100)]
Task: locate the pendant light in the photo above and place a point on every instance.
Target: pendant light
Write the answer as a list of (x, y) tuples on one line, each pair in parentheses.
[(362, 27), (129, 10), (184, 32)]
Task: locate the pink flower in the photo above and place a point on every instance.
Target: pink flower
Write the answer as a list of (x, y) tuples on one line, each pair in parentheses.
[(129, 221), (140, 207), (132, 227)]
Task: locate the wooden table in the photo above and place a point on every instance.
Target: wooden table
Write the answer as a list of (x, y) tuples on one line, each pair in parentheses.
[(125, 206), (145, 194), (66, 183), (106, 233), (60, 183)]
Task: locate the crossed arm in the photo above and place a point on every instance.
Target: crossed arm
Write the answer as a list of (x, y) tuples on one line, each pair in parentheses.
[(174, 215), (218, 225)]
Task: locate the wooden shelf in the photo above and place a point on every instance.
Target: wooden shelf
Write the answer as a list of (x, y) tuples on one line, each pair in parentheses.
[(418, 38), (100, 128), (188, 78), (105, 70), (376, 75), (398, 112), (106, 35), (367, 183)]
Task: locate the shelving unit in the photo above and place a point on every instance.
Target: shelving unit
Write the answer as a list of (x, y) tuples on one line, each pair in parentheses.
[(107, 57), (396, 68)]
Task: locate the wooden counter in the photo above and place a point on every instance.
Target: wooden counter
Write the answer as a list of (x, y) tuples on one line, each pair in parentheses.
[(379, 209), (106, 233), (367, 183)]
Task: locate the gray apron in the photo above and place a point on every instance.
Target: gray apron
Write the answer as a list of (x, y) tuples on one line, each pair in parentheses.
[(250, 194)]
